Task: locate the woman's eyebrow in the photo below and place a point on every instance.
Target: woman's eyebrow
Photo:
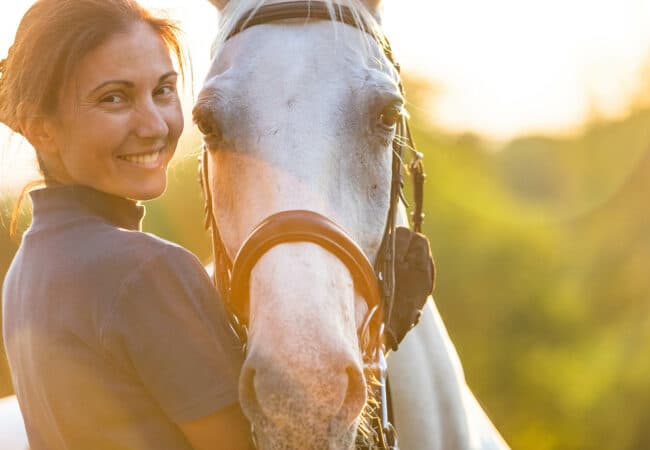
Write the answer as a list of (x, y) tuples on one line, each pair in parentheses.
[(171, 73), (130, 84)]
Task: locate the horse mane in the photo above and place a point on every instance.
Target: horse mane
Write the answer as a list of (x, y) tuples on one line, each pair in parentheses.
[(363, 18)]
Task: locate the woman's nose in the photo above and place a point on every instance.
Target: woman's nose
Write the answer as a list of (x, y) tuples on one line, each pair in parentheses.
[(150, 122)]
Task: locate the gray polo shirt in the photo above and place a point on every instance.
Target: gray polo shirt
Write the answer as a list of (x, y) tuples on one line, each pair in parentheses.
[(113, 335)]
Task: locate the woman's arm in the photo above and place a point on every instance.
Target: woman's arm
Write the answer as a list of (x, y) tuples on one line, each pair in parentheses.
[(176, 336)]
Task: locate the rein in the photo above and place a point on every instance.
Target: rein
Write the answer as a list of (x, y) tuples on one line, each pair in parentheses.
[(377, 284)]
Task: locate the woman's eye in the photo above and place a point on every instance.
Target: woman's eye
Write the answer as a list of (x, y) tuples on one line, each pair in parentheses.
[(165, 90), (113, 99), (390, 116)]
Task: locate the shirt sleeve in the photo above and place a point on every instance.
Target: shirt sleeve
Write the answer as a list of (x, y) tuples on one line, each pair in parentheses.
[(176, 334)]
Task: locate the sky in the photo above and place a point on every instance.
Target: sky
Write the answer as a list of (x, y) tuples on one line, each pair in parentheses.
[(500, 68)]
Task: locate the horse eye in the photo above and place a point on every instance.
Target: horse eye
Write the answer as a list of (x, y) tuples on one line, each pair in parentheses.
[(390, 115)]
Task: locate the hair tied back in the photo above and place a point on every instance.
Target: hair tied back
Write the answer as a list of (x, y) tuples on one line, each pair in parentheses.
[(4, 62), (3, 80)]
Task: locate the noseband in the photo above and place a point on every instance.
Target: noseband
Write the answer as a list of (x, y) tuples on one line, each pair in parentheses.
[(376, 284)]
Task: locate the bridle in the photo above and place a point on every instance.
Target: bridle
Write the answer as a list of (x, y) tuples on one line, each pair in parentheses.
[(375, 283)]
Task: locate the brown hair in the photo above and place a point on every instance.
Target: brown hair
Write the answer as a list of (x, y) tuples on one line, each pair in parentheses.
[(52, 38)]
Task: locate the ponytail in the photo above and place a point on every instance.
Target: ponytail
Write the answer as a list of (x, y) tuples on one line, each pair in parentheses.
[(3, 97)]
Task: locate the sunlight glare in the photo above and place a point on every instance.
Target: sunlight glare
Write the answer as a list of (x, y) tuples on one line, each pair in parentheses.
[(499, 68), (507, 67)]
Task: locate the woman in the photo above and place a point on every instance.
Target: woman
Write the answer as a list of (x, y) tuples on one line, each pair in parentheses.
[(115, 338)]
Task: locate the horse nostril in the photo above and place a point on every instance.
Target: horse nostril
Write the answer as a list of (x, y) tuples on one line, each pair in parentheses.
[(247, 397), (355, 396)]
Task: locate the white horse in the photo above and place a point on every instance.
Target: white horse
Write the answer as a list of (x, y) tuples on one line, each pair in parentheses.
[(295, 117)]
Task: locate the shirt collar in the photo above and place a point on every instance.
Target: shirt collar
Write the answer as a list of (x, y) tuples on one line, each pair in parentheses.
[(54, 200)]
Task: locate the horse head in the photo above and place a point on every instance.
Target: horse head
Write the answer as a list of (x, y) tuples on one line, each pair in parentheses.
[(299, 115)]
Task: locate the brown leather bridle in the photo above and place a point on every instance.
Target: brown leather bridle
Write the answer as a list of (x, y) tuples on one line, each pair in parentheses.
[(305, 226), (376, 284)]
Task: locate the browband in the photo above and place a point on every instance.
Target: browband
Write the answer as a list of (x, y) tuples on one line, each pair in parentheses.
[(307, 10)]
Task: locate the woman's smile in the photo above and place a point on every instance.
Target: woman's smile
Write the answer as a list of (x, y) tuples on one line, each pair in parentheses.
[(146, 160)]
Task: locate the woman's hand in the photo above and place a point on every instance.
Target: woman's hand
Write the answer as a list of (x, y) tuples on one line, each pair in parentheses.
[(227, 429)]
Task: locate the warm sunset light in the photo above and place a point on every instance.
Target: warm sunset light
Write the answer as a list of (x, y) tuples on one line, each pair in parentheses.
[(507, 67), (499, 68), (522, 146)]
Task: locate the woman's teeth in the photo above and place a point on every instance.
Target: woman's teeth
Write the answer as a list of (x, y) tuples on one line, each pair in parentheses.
[(142, 158)]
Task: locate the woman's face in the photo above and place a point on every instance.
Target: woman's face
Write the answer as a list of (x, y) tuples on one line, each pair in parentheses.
[(120, 117)]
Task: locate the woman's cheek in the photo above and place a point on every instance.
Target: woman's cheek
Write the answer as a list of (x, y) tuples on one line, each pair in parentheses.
[(177, 122)]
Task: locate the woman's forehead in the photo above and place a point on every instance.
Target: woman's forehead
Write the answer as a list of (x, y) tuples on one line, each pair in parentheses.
[(137, 55)]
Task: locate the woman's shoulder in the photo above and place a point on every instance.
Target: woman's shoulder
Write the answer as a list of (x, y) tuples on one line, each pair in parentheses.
[(151, 272), (166, 277), (148, 253), (140, 241), (127, 255)]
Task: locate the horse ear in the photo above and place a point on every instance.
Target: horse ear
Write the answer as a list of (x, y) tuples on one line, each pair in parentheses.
[(372, 4), (220, 4), (375, 7)]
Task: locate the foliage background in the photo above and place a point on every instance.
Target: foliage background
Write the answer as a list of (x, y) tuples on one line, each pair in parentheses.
[(542, 248)]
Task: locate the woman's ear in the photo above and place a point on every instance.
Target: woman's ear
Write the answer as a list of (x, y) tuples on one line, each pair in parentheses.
[(41, 133), (220, 4)]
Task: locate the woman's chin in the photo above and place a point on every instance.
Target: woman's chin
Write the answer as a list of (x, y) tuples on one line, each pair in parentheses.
[(152, 194), (143, 191)]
